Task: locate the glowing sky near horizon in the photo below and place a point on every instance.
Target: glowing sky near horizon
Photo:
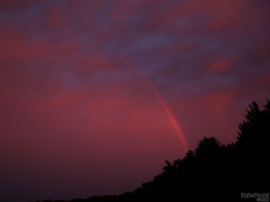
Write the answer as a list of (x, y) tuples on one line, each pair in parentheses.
[(96, 95)]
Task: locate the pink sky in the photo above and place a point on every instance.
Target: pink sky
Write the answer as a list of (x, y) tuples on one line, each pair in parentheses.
[(96, 95)]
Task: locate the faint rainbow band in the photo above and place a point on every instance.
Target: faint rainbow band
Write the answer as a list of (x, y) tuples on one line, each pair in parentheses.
[(166, 109)]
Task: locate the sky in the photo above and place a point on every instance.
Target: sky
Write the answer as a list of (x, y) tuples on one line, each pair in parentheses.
[(95, 95)]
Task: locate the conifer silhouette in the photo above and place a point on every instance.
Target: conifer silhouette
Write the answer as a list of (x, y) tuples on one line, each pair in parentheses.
[(213, 172)]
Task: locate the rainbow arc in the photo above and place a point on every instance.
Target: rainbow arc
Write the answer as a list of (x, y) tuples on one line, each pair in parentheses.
[(167, 109)]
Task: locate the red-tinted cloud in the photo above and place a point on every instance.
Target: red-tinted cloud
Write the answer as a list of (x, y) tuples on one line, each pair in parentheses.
[(75, 111)]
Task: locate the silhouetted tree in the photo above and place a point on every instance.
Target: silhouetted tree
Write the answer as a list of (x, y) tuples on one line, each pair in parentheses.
[(213, 171), (253, 144)]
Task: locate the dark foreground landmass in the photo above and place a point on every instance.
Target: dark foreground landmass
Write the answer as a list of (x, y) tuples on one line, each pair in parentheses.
[(213, 171)]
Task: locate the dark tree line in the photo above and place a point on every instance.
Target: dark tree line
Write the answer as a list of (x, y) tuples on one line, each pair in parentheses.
[(213, 171)]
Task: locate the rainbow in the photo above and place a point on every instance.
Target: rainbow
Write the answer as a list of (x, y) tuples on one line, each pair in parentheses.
[(167, 109)]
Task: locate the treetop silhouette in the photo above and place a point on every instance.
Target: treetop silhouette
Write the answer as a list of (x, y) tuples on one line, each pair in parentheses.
[(213, 171)]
